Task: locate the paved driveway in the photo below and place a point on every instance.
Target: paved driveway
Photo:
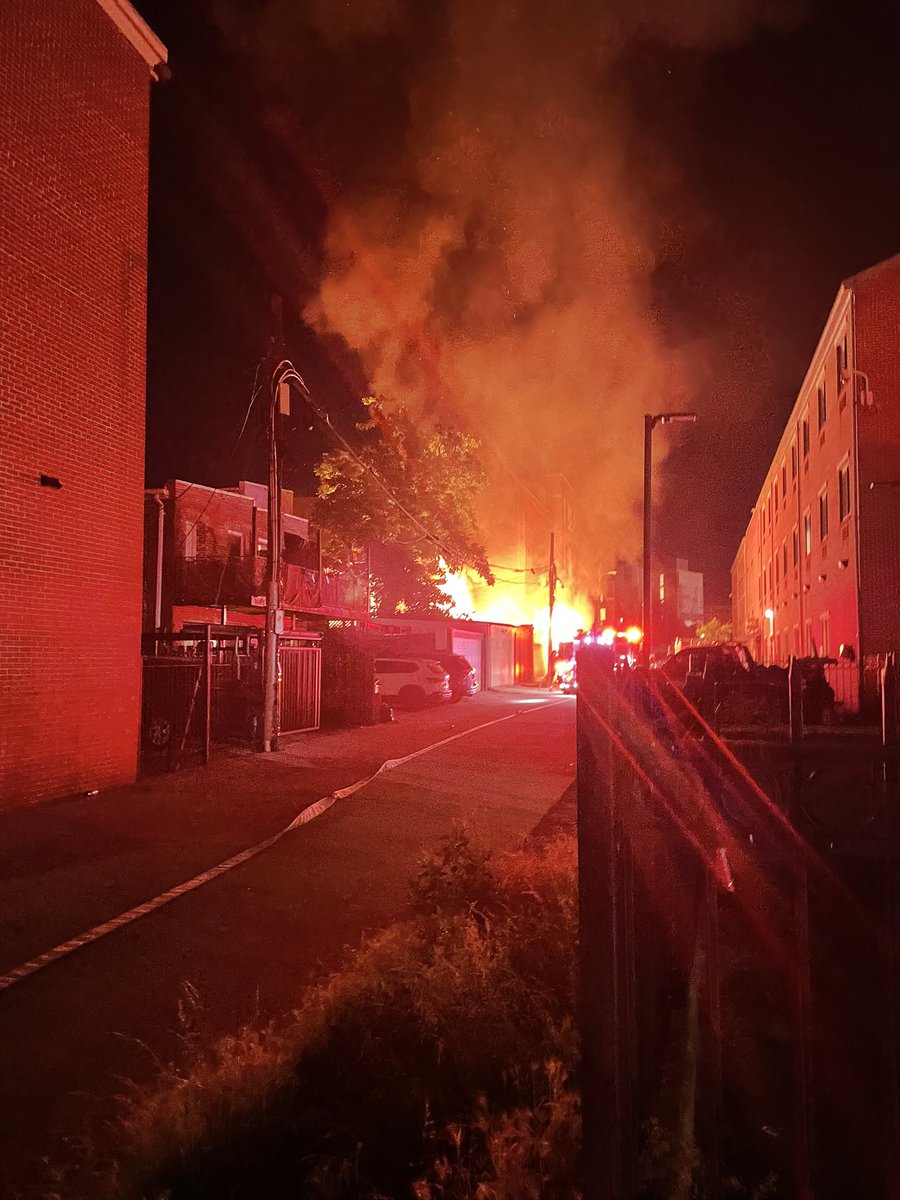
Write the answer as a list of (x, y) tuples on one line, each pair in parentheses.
[(249, 939)]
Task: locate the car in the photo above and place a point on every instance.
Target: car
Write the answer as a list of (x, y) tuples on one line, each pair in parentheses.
[(722, 661), (463, 677), (412, 682)]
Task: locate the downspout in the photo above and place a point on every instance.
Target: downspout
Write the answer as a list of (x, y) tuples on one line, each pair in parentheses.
[(856, 493), (801, 539), (160, 535)]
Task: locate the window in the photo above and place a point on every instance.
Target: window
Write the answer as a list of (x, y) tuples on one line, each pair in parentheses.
[(807, 534), (823, 515), (840, 359), (804, 433), (823, 649), (777, 572), (394, 666), (235, 546), (784, 559), (793, 460), (795, 544), (822, 405), (190, 540), (775, 493), (810, 644), (783, 482), (842, 364), (844, 491)]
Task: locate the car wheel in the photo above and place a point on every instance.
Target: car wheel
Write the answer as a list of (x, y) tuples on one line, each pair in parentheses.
[(412, 697), (159, 733)]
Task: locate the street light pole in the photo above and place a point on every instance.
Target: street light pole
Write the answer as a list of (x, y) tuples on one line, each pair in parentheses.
[(647, 603), (283, 376), (650, 421)]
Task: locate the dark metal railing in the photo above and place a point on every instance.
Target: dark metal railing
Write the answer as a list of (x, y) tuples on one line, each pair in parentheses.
[(237, 580), (739, 951)]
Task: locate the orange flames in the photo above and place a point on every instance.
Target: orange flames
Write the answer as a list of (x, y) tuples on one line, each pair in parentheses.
[(517, 604)]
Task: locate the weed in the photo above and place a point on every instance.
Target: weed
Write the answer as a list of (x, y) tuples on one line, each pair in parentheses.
[(341, 1100)]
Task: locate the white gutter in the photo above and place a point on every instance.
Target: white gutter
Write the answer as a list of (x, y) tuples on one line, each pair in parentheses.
[(136, 30)]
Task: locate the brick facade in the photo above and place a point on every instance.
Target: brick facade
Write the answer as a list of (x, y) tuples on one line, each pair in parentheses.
[(73, 230), (819, 565), (212, 568)]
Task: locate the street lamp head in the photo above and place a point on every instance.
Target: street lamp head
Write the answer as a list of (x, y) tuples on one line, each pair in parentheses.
[(675, 418)]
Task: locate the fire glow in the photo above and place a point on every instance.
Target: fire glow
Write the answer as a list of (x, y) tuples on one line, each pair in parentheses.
[(508, 604)]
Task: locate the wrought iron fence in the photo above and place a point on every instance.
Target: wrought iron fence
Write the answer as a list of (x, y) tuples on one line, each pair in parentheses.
[(739, 953)]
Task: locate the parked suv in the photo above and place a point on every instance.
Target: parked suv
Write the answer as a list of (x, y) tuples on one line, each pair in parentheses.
[(463, 677), (412, 682)]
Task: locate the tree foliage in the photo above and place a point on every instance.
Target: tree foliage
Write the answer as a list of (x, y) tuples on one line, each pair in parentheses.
[(435, 474), (715, 630)]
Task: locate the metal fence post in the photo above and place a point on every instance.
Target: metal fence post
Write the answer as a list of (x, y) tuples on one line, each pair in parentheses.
[(795, 699), (207, 683), (604, 1008)]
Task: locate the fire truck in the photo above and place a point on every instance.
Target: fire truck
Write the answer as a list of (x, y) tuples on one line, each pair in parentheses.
[(625, 645)]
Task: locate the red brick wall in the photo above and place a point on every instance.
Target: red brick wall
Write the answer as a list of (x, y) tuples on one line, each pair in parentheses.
[(73, 201), (877, 294)]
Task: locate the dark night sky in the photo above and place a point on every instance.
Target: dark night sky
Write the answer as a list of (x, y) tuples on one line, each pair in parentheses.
[(769, 166)]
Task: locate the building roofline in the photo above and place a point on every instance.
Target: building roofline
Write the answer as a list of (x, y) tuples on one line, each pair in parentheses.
[(868, 272), (133, 27), (836, 314)]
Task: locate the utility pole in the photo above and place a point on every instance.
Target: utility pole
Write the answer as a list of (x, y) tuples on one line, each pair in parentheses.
[(551, 601), (650, 421), (279, 399)]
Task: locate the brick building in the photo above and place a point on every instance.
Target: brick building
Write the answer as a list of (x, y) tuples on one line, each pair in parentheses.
[(75, 78), (205, 558), (818, 569), (678, 606)]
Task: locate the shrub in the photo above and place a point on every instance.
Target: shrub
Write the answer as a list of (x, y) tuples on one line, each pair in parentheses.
[(341, 1099)]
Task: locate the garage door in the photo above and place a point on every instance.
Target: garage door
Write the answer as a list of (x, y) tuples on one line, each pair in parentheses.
[(471, 646), (503, 656)]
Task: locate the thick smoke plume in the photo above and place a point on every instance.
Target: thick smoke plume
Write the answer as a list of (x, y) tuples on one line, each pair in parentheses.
[(492, 242)]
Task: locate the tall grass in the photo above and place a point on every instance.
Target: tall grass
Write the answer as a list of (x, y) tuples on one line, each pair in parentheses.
[(437, 1063)]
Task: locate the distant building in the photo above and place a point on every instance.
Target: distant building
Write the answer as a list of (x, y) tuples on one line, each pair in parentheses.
[(620, 599), (206, 555), (818, 568), (678, 604), (75, 78)]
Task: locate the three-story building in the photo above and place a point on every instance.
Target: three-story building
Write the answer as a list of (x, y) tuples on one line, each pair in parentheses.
[(818, 568)]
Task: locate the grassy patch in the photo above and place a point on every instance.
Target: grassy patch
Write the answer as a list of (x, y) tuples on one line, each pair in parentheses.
[(435, 1064)]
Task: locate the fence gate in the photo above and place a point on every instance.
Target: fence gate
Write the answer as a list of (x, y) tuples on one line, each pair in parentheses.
[(300, 686)]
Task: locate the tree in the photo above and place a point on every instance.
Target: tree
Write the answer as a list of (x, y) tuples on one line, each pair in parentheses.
[(408, 498), (715, 630)]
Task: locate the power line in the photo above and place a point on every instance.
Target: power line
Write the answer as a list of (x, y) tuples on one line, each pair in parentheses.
[(291, 373)]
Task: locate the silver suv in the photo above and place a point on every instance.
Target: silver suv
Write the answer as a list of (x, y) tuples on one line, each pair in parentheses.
[(412, 682)]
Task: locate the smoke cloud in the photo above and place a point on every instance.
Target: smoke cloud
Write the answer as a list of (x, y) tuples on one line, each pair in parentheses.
[(492, 236)]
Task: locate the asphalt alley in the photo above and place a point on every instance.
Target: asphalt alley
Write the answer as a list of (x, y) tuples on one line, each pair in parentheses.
[(249, 940)]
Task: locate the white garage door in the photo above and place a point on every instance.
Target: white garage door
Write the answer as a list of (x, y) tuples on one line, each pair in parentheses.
[(503, 656), (471, 646)]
